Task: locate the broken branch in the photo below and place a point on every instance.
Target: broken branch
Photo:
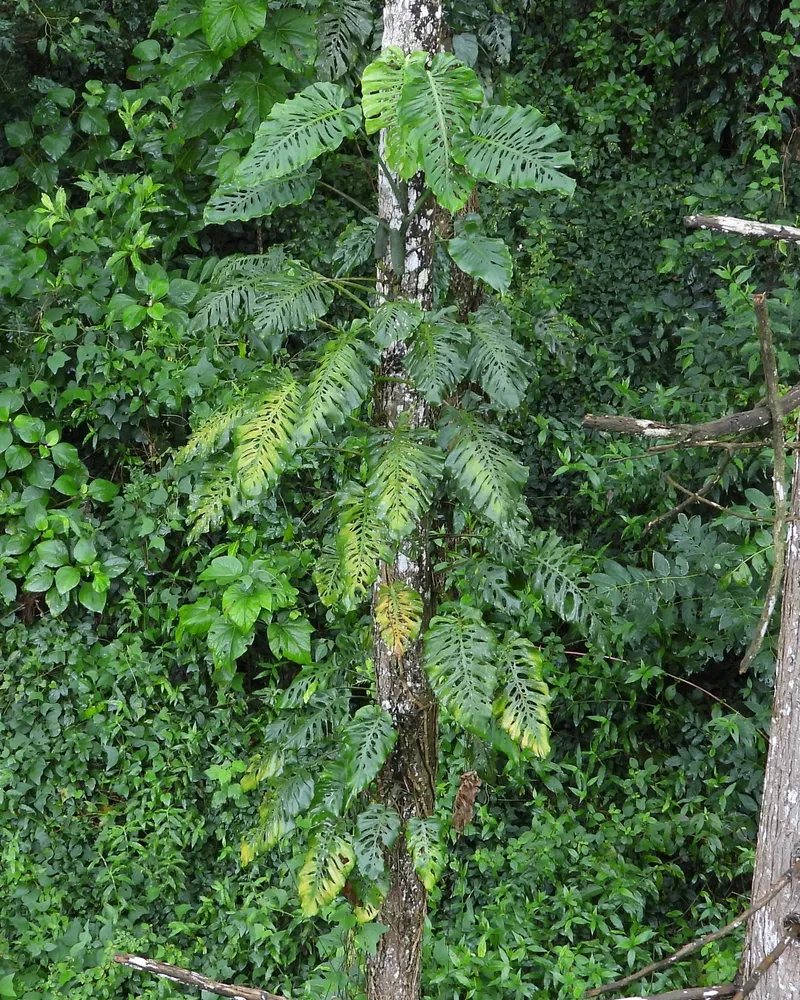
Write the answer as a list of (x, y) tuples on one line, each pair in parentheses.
[(692, 993), (743, 227), (188, 978)]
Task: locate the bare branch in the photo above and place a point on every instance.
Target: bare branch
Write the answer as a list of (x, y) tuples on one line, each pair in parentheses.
[(691, 498), (743, 227), (693, 946), (688, 434), (778, 481), (188, 978), (792, 934), (692, 993)]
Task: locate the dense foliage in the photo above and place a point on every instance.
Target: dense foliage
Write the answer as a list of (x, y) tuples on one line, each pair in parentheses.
[(187, 550)]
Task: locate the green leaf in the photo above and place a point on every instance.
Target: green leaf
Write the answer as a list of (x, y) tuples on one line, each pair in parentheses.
[(230, 24), (297, 131), (337, 387), (7, 986), (496, 361), (196, 619), (378, 828), (102, 490), (507, 145), (257, 93), (479, 256), (342, 29), (18, 133), (495, 34), (369, 738), (280, 806), (381, 87), (395, 321), (67, 485), (84, 551), (6, 438), (9, 178), (52, 553), (193, 62), (241, 606), (292, 300), (226, 642), (38, 580), (40, 473), (94, 600), (355, 246), (30, 429), (327, 864), (521, 707), (56, 144), (460, 661), (437, 359), (65, 455), (265, 442), (290, 638), (289, 38), (67, 577), (359, 541), (93, 121), (435, 105), (403, 477), (222, 570), (486, 472), (424, 839), (17, 458), (147, 51)]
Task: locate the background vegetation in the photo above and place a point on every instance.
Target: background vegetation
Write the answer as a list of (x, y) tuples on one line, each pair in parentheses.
[(124, 736)]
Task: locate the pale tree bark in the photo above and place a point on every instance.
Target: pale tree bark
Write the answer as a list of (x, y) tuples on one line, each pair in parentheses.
[(779, 826), (407, 782)]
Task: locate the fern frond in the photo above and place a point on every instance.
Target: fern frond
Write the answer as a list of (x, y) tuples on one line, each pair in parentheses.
[(342, 29), (264, 442), (477, 459), (403, 477), (459, 659), (328, 862), (496, 361), (521, 707), (436, 361), (337, 387), (398, 615), (297, 131)]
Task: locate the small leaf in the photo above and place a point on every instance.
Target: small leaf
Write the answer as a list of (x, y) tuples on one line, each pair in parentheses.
[(67, 577), (291, 638)]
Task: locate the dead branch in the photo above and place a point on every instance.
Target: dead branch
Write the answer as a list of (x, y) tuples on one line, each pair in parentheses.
[(792, 934), (693, 946), (700, 497), (688, 434), (778, 481), (743, 227), (188, 978), (691, 498), (692, 993)]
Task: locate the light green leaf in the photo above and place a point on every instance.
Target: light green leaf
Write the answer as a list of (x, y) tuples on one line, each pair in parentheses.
[(337, 387), (521, 707), (94, 600), (241, 606), (328, 862), (223, 570), (290, 638), (424, 839), (460, 661), (496, 361), (67, 577), (265, 441)]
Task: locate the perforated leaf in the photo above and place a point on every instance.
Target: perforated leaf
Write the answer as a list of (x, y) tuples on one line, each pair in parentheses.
[(436, 361), (508, 146), (355, 246), (495, 35), (482, 467), (290, 301), (459, 659), (395, 320), (325, 869), (337, 387), (342, 29), (265, 441), (369, 737), (297, 131), (359, 542), (424, 839), (436, 104), (403, 476), (398, 614), (496, 360), (230, 203), (521, 707), (378, 828)]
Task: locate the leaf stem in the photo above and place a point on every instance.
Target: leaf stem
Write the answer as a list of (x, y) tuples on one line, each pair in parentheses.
[(347, 197)]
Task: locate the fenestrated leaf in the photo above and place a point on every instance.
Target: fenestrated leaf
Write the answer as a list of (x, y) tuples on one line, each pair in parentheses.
[(230, 24), (460, 661), (521, 707), (342, 28), (480, 256), (264, 441), (398, 615), (395, 320), (378, 828), (325, 869), (507, 145), (437, 359), (495, 34), (496, 360), (215, 431), (229, 203), (424, 839), (368, 737), (436, 104), (337, 387), (404, 472), (355, 246), (359, 541), (290, 796), (290, 301), (297, 131), (381, 87), (482, 467)]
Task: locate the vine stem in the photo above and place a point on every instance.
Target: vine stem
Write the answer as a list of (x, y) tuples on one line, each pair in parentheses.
[(343, 194)]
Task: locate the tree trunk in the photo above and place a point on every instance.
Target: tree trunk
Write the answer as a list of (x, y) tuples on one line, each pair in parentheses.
[(779, 827), (407, 782)]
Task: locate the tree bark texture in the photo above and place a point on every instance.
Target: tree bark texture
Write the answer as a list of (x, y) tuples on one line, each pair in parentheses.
[(779, 826), (407, 782)]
